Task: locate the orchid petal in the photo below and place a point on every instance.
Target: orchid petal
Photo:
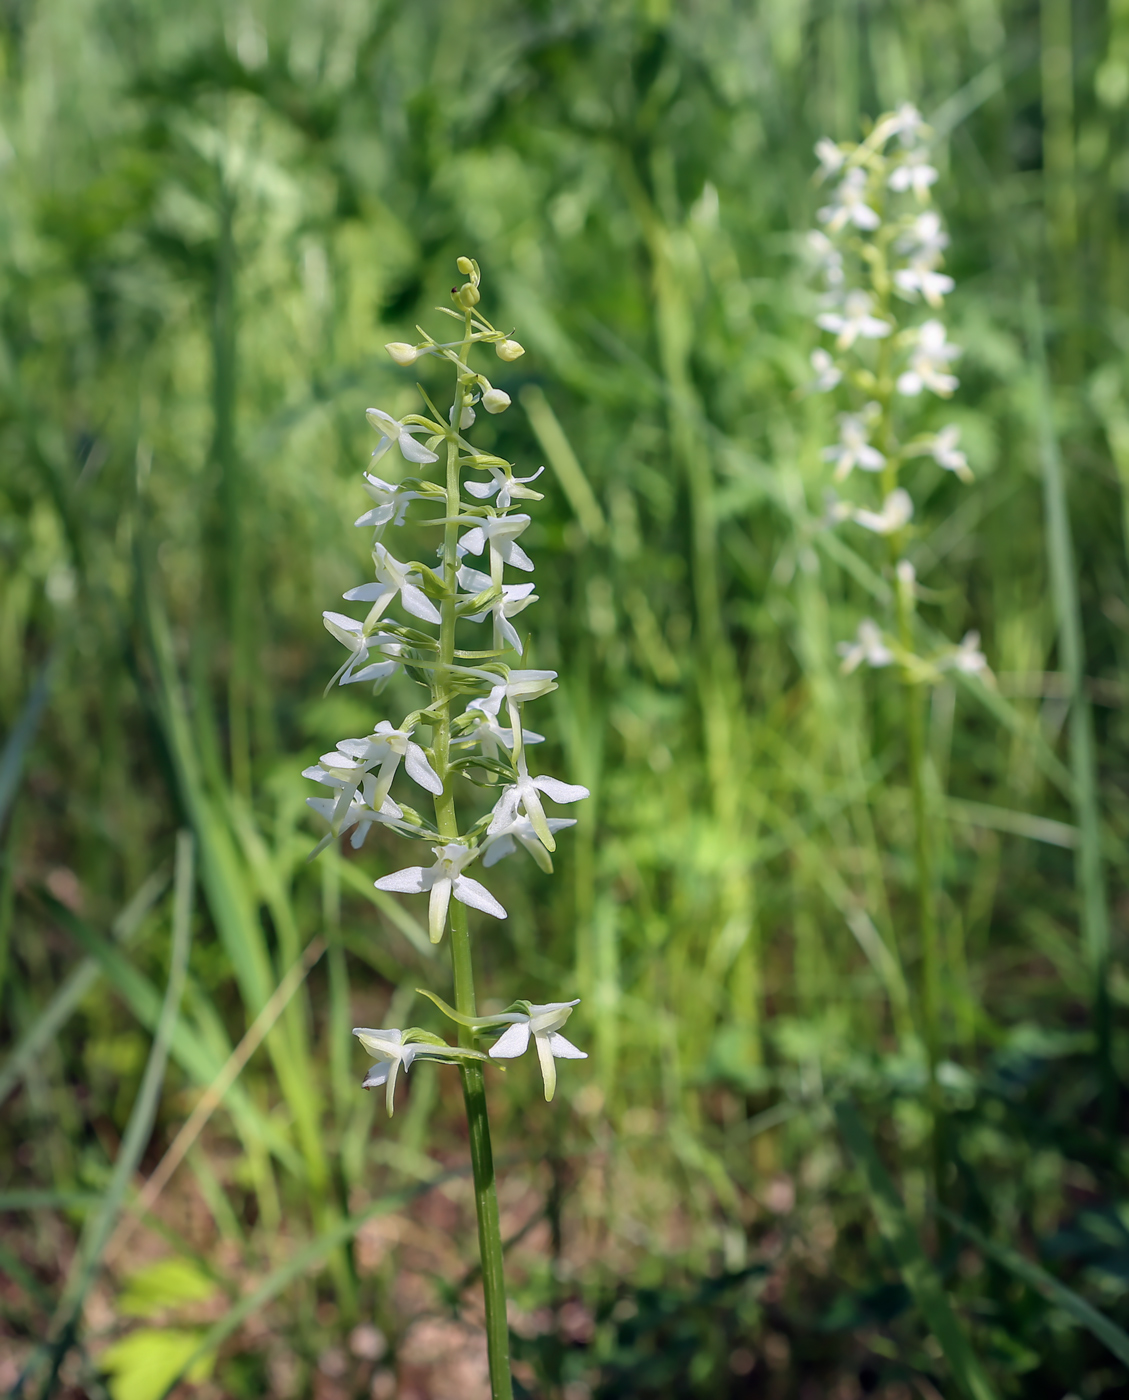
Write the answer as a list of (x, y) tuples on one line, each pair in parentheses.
[(514, 1041)]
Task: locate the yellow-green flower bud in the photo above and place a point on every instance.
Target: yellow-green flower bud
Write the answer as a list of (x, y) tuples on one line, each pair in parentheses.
[(509, 350), (402, 353), (495, 401), (465, 266), (468, 295)]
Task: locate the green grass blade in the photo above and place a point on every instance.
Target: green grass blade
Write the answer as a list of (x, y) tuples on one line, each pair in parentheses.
[(69, 997), (20, 738), (311, 1256), (191, 1050), (47, 1200), (1102, 1327), (920, 1277), (229, 890), (563, 460), (143, 1114), (1090, 873)]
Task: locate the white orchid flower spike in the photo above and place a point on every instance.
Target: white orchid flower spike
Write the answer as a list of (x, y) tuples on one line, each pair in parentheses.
[(542, 1021), (391, 431), (442, 880)]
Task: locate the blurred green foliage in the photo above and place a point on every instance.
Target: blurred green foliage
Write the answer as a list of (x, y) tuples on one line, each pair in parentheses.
[(213, 217)]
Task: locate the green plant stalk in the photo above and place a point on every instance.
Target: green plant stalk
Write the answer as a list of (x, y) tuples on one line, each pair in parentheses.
[(1089, 867), (462, 966), (926, 893), (929, 987)]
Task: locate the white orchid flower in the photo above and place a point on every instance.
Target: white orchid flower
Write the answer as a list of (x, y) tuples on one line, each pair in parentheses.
[(504, 841), (920, 277), (968, 658), (508, 488), (925, 238), (513, 598), (518, 688), (906, 122), (393, 1049), (360, 816), (928, 359), (391, 503), (521, 686), (392, 577), (442, 880), (896, 513), (386, 748), (393, 431), (542, 1021), (500, 532), (390, 1054), (947, 454), (831, 158), (490, 734), (827, 373), (868, 646), (826, 256), (351, 633), (525, 794), (914, 173), (854, 448), (848, 205), (854, 321)]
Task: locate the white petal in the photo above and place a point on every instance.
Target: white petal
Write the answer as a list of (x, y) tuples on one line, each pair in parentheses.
[(519, 559), (437, 907), (416, 601), (377, 1075), (508, 631), (367, 593), (376, 672), (472, 541), (564, 1049), (420, 771), (473, 580), (514, 1041), (379, 515), (560, 792), (412, 880), (497, 850), (469, 891), (415, 451), (481, 489)]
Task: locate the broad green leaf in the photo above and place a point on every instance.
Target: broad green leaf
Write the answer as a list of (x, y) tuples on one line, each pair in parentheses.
[(165, 1284), (143, 1365)]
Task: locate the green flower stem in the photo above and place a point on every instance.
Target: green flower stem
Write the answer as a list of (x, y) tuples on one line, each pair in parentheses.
[(929, 992), (446, 819), (926, 893)]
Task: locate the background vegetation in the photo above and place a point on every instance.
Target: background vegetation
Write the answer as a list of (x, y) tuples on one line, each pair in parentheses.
[(213, 217)]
